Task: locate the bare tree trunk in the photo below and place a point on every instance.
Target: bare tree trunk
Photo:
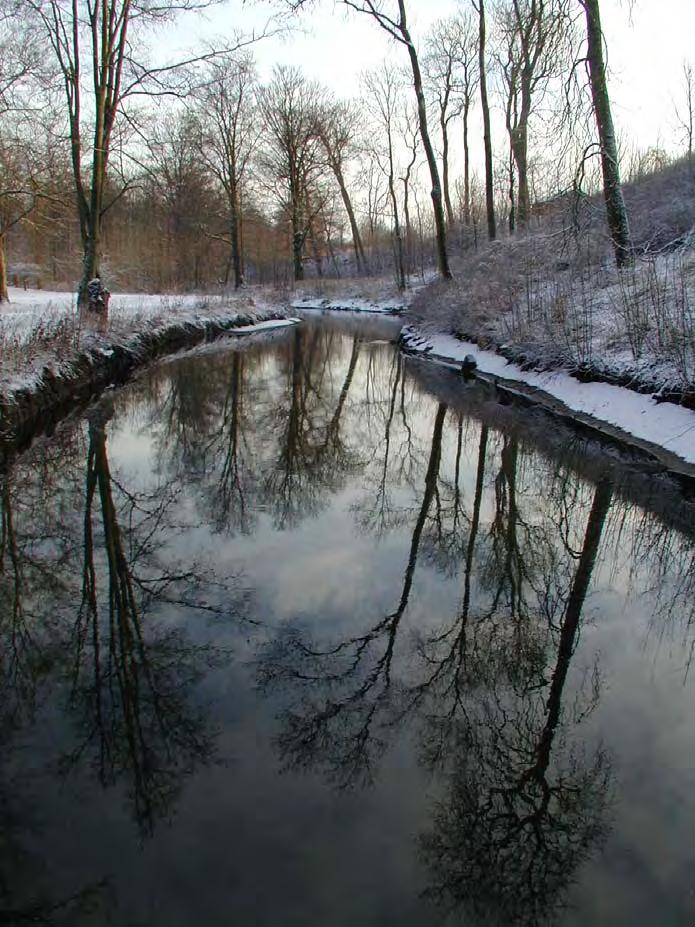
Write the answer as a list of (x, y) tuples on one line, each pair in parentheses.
[(436, 193), (519, 147), (512, 192), (397, 235), (487, 137), (4, 296), (235, 237), (466, 169), (90, 264), (445, 171), (360, 257), (518, 142), (297, 239), (616, 212)]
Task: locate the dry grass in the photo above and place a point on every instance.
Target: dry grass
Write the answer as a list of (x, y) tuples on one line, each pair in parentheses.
[(55, 336), (553, 292)]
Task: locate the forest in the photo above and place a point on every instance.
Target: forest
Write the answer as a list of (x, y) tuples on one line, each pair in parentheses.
[(175, 174)]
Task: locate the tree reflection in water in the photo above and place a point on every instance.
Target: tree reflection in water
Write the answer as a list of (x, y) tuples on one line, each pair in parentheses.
[(526, 804), (484, 675), (525, 801), (336, 730), (132, 668), (30, 651), (133, 676)]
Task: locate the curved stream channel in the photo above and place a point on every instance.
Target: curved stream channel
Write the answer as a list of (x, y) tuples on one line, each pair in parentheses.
[(302, 632)]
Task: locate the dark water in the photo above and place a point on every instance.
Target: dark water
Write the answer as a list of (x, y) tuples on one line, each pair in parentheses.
[(304, 634)]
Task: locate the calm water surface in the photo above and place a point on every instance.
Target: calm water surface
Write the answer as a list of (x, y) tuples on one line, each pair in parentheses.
[(301, 633)]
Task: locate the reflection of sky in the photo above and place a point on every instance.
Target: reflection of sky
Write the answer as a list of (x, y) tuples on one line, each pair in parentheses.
[(248, 843)]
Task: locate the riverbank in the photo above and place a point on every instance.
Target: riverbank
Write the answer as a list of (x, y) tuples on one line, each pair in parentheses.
[(647, 403), (49, 366), (49, 363)]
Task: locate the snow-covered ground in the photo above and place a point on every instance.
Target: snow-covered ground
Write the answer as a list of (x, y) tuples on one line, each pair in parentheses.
[(29, 308), (313, 304), (667, 425), (40, 328), (637, 324), (29, 338)]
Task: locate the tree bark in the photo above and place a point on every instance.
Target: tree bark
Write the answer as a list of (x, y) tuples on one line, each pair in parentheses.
[(360, 257), (616, 213), (436, 193), (487, 137), (466, 169), (397, 233), (445, 169), (4, 296), (235, 236)]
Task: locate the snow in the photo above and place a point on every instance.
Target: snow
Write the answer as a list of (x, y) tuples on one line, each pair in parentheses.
[(267, 325), (356, 304), (28, 308), (667, 425), (664, 424), (41, 329)]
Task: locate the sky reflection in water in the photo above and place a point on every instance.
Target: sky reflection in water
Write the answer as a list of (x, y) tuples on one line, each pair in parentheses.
[(303, 633)]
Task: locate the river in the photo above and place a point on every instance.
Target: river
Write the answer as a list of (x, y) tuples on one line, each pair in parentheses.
[(300, 631)]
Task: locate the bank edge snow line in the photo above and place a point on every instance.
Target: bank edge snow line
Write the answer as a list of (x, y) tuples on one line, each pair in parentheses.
[(531, 396), (27, 411), (586, 372)]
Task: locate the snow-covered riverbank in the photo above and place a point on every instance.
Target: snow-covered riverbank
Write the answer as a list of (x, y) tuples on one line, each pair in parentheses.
[(50, 361), (637, 415), (45, 349)]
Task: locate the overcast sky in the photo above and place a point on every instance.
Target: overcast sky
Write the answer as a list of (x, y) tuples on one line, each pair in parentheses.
[(646, 49)]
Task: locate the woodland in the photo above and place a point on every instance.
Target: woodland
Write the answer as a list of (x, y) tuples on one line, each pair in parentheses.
[(484, 154)]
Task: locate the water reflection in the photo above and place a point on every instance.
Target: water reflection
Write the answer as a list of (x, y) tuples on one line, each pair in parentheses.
[(527, 802), (87, 573), (131, 675), (149, 556), (525, 805)]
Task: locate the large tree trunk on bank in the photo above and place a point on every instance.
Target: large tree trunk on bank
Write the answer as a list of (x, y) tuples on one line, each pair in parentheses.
[(90, 267), (298, 232), (487, 137), (616, 213), (436, 193), (297, 248), (518, 141), (235, 236)]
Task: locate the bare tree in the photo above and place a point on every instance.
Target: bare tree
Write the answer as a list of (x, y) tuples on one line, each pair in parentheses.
[(229, 137), (395, 24), (532, 33), (467, 78), (410, 137), (101, 41), (20, 69), (616, 211), (440, 66), (479, 7), (183, 186), (290, 106), (685, 113), (18, 195), (337, 128), (383, 86)]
